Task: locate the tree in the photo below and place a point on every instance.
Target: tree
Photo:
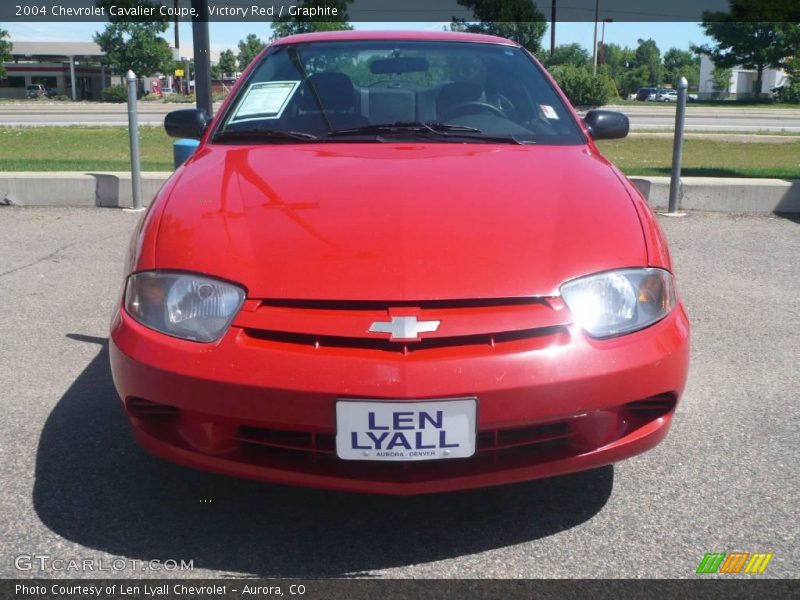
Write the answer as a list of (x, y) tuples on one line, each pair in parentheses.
[(517, 20), (249, 48), (135, 46), (682, 63), (569, 54), (648, 55), (753, 35), (298, 24), (630, 80), (227, 62), (721, 79), (581, 87), (5, 52), (618, 59)]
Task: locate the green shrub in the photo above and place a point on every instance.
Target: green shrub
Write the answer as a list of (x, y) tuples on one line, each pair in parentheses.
[(582, 88), (115, 94), (181, 99), (789, 92)]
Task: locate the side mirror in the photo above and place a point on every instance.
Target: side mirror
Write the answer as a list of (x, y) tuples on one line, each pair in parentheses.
[(189, 123), (607, 124)]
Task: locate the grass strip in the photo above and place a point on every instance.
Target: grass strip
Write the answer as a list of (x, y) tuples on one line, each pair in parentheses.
[(90, 149)]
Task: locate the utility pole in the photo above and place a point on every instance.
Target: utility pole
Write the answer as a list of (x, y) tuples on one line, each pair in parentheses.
[(202, 57), (603, 40), (184, 80), (177, 29), (177, 84), (594, 51), (553, 28)]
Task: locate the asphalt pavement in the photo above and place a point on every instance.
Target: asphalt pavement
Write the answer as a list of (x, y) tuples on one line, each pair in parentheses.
[(647, 116), (74, 485), (719, 119)]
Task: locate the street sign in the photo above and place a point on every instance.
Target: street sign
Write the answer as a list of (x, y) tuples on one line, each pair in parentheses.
[(178, 72)]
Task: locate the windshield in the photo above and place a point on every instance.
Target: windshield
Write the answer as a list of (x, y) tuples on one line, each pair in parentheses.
[(383, 90)]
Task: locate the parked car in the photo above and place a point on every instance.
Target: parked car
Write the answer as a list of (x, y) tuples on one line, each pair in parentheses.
[(38, 90), (667, 95), (398, 263), (646, 94)]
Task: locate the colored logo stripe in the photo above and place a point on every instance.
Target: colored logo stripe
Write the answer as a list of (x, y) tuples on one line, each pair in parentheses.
[(711, 562), (714, 562), (734, 562), (758, 563)]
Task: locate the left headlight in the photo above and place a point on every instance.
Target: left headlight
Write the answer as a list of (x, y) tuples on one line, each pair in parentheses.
[(192, 307), (618, 302)]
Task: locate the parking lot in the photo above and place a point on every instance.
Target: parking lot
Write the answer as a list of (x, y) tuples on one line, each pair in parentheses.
[(75, 485)]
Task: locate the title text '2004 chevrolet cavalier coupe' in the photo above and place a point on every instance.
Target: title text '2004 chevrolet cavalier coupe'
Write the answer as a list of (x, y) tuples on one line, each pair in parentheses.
[(397, 263)]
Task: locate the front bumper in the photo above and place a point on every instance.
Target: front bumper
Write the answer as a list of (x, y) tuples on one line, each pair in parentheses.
[(265, 409)]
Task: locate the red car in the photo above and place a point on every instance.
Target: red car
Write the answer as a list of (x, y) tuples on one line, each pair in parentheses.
[(398, 263)]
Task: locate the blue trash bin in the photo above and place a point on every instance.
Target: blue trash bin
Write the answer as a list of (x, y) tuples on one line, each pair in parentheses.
[(182, 150)]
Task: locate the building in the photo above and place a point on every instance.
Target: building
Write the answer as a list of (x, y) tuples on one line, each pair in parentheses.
[(56, 65), (741, 82)]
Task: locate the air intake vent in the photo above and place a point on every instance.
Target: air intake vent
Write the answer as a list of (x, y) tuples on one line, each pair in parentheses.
[(145, 409), (301, 441), (654, 406)]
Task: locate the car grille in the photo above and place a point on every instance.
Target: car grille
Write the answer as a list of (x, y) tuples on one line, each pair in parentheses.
[(490, 340), (512, 325), (314, 452), (325, 444)]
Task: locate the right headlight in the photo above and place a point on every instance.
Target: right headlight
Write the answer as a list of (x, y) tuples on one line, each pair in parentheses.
[(618, 302), (184, 305)]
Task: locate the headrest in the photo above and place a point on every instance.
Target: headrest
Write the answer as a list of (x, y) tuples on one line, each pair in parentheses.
[(335, 90)]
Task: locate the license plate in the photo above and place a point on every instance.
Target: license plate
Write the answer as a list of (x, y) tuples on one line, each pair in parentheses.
[(405, 431)]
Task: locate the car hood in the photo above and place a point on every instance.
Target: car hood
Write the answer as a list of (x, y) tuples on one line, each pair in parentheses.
[(398, 221)]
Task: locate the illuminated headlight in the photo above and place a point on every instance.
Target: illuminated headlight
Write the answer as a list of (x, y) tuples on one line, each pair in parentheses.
[(192, 307), (618, 302)]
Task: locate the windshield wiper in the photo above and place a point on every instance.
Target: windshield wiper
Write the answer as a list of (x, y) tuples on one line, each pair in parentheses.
[(401, 126), (439, 130), (264, 134)]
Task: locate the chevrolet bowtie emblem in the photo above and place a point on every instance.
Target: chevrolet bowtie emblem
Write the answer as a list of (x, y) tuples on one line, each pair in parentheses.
[(404, 328)]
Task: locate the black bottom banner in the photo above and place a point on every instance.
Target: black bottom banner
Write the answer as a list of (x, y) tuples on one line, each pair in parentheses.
[(387, 589)]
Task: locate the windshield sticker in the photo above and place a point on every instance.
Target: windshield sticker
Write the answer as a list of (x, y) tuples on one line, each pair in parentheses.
[(266, 100), (548, 111)]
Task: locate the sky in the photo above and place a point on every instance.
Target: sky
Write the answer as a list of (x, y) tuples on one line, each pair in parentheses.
[(226, 35)]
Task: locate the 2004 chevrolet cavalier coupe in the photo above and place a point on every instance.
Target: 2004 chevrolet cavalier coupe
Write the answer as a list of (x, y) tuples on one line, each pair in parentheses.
[(398, 263)]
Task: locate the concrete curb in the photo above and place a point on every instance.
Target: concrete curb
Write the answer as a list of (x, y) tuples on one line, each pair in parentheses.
[(114, 190), (110, 189), (716, 194)]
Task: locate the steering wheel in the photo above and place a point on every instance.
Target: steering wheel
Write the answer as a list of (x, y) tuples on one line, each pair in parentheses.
[(466, 108), (503, 103)]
